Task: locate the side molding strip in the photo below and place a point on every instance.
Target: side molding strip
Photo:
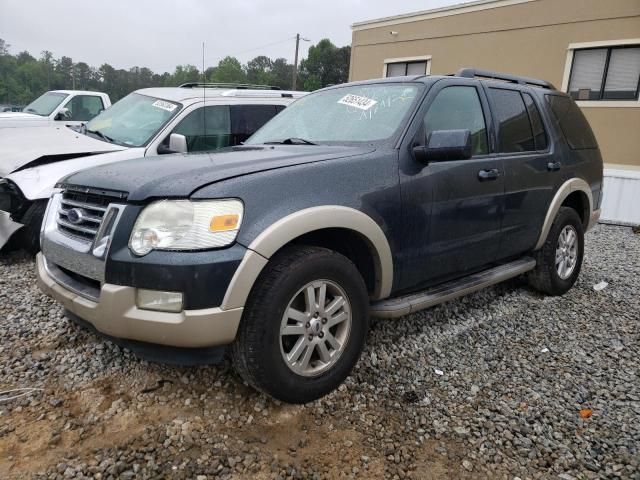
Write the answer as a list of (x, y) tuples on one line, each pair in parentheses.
[(299, 223), (572, 185)]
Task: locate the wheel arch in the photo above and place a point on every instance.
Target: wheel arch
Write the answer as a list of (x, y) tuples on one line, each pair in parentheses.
[(314, 225), (574, 193)]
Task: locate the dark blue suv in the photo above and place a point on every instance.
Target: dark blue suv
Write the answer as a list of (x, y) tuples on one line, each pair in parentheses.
[(377, 198)]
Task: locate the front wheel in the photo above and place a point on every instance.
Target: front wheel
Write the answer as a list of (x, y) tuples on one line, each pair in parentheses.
[(560, 259), (304, 326), (32, 220)]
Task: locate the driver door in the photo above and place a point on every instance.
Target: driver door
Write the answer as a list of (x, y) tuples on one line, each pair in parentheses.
[(452, 209)]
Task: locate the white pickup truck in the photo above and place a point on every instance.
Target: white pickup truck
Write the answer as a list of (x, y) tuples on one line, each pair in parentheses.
[(58, 107)]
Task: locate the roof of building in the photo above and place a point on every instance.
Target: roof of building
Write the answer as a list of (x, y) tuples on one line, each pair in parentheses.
[(457, 9)]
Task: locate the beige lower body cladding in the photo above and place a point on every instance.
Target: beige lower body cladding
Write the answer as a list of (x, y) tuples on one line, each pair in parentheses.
[(117, 315)]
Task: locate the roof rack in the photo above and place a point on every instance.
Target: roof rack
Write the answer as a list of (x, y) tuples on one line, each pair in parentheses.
[(474, 72), (239, 86)]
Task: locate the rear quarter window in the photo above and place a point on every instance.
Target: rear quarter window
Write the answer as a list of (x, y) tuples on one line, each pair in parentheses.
[(572, 122)]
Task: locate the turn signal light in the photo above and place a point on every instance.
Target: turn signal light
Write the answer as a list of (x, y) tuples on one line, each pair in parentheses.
[(224, 223)]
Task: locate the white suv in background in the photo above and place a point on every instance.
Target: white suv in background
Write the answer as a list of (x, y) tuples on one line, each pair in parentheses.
[(64, 107), (152, 121)]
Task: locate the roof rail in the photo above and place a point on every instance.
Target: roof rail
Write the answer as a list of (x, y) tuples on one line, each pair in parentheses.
[(239, 86), (474, 72)]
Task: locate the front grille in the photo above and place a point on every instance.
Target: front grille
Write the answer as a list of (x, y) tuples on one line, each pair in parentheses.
[(81, 212)]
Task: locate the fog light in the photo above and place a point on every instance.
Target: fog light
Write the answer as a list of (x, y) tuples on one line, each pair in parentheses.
[(159, 301)]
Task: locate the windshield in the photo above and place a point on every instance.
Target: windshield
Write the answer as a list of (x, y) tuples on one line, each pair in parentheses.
[(45, 104), (359, 113), (132, 121)]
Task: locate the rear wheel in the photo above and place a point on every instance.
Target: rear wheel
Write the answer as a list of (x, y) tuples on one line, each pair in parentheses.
[(560, 259), (32, 221), (304, 326)]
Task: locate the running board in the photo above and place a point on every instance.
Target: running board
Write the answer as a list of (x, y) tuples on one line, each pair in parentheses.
[(397, 307)]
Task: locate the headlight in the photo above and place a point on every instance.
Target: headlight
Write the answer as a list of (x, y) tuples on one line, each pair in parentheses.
[(186, 225)]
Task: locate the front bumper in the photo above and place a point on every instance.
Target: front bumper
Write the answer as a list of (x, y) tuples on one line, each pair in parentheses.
[(116, 314)]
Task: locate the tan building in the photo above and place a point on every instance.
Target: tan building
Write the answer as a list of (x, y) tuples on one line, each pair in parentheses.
[(589, 48)]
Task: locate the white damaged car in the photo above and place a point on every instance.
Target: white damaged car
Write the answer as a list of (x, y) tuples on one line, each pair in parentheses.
[(153, 121)]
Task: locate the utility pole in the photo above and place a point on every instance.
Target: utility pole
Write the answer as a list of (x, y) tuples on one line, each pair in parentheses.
[(295, 62)]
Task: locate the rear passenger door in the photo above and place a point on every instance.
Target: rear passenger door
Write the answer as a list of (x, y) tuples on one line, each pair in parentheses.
[(529, 168)]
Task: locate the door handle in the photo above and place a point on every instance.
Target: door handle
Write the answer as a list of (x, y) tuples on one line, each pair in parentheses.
[(490, 174), (553, 166)]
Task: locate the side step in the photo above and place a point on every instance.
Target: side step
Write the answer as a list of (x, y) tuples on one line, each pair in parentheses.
[(399, 306)]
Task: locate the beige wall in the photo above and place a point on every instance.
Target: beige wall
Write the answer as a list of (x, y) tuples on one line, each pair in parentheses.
[(528, 38)]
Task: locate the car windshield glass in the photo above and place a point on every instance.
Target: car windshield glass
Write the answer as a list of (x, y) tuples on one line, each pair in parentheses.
[(357, 113), (45, 104), (132, 121)]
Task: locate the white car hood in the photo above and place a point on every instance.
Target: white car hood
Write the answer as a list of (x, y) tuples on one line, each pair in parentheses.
[(21, 146), (38, 182), (22, 119), (18, 115)]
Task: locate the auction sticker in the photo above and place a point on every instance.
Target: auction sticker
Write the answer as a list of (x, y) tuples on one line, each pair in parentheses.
[(168, 106), (363, 103)]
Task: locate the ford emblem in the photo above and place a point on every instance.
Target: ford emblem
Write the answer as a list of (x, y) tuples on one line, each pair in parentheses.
[(76, 216)]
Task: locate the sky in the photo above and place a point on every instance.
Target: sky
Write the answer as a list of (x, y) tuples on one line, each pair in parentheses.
[(161, 34)]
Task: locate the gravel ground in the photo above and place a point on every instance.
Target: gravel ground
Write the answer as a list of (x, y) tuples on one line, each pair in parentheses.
[(501, 384)]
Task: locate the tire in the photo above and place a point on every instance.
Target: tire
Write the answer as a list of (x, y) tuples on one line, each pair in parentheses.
[(32, 221), (546, 277), (259, 351)]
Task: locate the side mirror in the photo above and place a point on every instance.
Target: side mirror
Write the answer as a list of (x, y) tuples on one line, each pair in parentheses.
[(63, 114), (445, 145), (177, 144)]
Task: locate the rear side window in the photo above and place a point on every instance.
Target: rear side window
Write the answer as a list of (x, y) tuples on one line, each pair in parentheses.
[(247, 119), (539, 135), (515, 134), (574, 126)]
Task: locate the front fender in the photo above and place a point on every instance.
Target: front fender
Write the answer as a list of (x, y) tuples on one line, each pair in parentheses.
[(285, 230)]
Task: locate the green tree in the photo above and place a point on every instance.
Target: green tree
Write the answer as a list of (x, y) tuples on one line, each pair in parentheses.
[(259, 71), (325, 65), (229, 70), (282, 73), (23, 77)]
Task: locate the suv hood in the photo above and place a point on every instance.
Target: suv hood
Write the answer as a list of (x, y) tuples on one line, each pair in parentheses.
[(31, 146), (178, 176)]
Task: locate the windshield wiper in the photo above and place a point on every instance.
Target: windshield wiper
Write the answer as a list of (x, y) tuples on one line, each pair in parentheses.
[(291, 141), (101, 135)]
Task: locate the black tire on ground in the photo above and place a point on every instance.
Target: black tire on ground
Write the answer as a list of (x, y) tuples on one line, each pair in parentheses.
[(32, 221), (545, 277), (256, 352)]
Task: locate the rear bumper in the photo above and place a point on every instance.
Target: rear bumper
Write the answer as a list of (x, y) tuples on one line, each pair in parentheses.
[(115, 314)]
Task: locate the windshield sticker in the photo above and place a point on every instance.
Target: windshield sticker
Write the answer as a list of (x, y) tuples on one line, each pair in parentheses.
[(169, 107), (363, 103)]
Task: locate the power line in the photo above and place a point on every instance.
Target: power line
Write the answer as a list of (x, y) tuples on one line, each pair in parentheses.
[(261, 47)]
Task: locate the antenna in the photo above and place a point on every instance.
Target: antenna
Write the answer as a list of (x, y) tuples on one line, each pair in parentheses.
[(204, 102)]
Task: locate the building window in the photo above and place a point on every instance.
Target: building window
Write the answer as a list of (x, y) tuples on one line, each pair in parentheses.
[(608, 73), (402, 69)]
